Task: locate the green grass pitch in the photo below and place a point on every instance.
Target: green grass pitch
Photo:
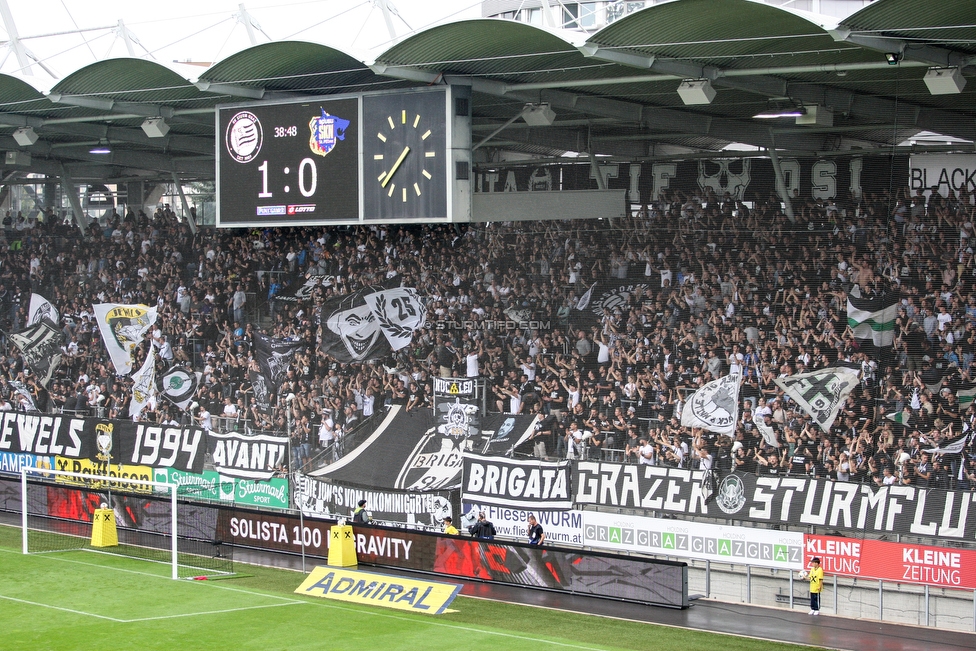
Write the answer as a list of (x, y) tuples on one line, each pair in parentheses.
[(85, 601)]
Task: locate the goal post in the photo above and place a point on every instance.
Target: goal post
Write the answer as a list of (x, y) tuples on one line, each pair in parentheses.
[(59, 511)]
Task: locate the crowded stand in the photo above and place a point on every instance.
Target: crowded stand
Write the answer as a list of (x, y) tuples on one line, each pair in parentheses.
[(714, 287)]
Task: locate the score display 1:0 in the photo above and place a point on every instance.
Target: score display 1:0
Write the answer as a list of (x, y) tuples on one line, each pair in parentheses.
[(301, 164)]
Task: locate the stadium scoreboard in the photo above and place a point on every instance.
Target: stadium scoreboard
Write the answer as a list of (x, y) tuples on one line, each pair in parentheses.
[(356, 159)]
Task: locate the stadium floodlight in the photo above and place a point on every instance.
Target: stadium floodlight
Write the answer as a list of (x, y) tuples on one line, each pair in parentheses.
[(155, 127), (538, 115), (25, 136)]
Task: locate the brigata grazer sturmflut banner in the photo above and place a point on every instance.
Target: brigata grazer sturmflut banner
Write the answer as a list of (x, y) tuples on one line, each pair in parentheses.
[(114, 441), (780, 500), (517, 483)]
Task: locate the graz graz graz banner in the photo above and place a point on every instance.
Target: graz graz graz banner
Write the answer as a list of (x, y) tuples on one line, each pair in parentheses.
[(526, 484), (780, 500), (117, 441)]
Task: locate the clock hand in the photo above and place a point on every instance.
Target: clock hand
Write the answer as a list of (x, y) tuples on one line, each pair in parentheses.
[(396, 165)]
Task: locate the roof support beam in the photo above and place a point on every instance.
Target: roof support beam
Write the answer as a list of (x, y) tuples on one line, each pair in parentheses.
[(70, 189), (842, 101), (725, 129), (923, 53), (100, 104)]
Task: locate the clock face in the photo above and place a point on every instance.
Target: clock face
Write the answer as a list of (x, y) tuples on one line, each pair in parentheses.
[(404, 156)]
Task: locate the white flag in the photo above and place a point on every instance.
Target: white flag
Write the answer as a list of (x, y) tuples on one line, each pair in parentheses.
[(955, 447), (399, 312), (144, 385), (715, 406), (122, 328), (584, 300), (822, 393), (40, 308), (768, 433)]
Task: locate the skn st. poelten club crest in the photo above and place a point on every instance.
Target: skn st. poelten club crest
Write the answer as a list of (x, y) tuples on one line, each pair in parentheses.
[(326, 130)]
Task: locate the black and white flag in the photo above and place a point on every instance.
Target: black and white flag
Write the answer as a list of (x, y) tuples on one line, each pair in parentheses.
[(274, 356), (715, 406), (179, 385), (822, 393), (953, 447), (41, 308), (350, 330), (40, 344), (399, 312), (24, 396)]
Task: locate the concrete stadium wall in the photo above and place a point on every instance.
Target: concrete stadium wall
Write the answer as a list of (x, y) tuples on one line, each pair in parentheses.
[(858, 598)]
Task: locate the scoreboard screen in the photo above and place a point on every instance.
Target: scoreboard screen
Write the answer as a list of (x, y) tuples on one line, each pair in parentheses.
[(355, 159)]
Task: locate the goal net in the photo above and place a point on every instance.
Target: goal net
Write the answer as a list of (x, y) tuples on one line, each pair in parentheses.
[(58, 513)]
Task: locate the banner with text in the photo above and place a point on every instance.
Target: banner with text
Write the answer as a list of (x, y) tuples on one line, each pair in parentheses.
[(798, 501), (210, 485), (118, 442), (713, 542), (517, 483), (892, 561), (317, 498)]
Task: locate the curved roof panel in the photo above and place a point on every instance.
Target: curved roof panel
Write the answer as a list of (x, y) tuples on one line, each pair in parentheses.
[(19, 96), (485, 47), (726, 33), (131, 80), (296, 66), (949, 23)]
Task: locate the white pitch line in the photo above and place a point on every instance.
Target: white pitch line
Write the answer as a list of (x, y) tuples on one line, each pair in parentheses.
[(206, 612), (459, 627), (67, 610)]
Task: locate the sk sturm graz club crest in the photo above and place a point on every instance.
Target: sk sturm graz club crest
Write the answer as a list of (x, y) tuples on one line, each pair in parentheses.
[(178, 385), (244, 137), (731, 494), (326, 130), (103, 440)]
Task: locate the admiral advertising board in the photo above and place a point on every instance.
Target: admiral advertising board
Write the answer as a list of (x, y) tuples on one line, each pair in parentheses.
[(797, 501)]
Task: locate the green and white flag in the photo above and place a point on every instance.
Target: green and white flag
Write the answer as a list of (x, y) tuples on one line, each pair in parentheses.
[(872, 318), (966, 393)]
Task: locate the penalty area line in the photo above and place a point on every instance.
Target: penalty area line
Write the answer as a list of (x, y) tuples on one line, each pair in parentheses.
[(208, 612), (66, 610)]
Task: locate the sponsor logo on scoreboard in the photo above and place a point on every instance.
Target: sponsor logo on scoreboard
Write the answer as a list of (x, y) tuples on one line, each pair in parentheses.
[(271, 210), (299, 208)]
